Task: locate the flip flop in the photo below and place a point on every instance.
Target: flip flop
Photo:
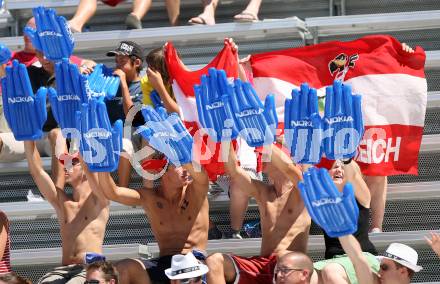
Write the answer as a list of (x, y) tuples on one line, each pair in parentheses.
[(246, 17), (199, 20)]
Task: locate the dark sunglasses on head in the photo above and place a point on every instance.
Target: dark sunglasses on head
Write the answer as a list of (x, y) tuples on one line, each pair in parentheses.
[(92, 281), (191, 280)]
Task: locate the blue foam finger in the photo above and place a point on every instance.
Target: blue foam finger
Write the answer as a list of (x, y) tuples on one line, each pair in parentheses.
[(100, 143), (305, 196), (303, 126), (357, 114), (155, 98), (342, 122), (52, 35), (5, 54), (335, 212), (213, 116), (32, 34), (24, 111), (166, 134), (66, 101), (102, 82), (255, 122)]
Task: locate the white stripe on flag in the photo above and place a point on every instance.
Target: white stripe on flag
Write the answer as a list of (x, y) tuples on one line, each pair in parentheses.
[(392, 98), (187, 105), (386, 98)]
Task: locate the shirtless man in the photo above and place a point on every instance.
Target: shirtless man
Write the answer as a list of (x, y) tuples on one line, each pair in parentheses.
[(284, 219), (82, 217), (178, 213)]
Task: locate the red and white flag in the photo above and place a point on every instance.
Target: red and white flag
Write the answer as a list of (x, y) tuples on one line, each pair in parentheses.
[(392, 84), (183, 81)]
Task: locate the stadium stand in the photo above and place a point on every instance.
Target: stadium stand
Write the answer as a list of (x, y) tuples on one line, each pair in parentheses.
[(413, 201)]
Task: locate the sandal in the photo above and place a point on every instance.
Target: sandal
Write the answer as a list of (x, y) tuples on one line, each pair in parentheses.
[(199, 20), (246, 17)]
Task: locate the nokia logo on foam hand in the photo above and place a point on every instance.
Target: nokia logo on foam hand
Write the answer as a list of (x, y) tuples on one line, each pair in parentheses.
[(68, 98), (214, 105), (325, 201), (164, 134), (336, 119), (20, 100), (249, 112), (303, 123), (49, 33), (92, 93), (97, 133)]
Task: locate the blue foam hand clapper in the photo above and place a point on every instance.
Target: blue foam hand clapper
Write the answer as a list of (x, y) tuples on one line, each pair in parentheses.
[(67, 100), (155, 98), (336, 213), (343, 124), (303, 126), (100, 143), (167, 134), (103, 82), (25, 112), (256, 122), (52, 36), (210, 107), (5, 54)]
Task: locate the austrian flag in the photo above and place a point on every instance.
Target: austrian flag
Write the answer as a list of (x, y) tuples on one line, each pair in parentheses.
[(392, 84)]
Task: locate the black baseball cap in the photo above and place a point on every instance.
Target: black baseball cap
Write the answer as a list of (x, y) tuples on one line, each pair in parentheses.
[(128, 48)]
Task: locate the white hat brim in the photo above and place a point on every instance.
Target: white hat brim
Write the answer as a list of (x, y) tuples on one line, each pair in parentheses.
[(202, 271), (415, 268)]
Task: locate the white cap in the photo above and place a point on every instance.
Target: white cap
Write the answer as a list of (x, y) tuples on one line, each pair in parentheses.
[(402, 254)]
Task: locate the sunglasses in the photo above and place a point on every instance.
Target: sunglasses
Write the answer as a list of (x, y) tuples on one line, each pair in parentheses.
[(191, 280), (92, 281)]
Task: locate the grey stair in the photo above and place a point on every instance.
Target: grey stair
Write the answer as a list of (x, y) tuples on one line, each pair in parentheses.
[(34, 263)]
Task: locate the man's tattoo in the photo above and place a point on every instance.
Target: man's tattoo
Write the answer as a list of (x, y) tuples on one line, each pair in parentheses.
[(159, 205)]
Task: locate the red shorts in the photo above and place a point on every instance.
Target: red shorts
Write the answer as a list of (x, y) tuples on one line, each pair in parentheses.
[(255, 269), (112, 3)]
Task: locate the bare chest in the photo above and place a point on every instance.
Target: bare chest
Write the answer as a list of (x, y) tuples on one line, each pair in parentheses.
[(280, 209), (76, 216)]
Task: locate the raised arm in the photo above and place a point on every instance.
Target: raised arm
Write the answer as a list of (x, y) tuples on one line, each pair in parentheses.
[(239, 177), (200, 178), (353, 250), (156, 80), (434, 242), (354, 176), (113, 192), (41, 178), (285, 165), (127, 102)]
